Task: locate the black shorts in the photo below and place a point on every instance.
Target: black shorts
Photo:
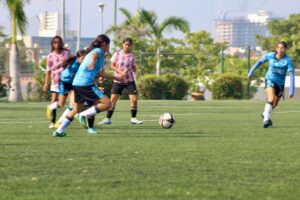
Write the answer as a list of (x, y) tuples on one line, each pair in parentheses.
[(87, 94), (278, 89), (118, 88), (65, 88)]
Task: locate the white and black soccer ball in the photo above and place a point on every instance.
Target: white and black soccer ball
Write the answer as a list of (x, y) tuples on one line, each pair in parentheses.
[(166, 120)]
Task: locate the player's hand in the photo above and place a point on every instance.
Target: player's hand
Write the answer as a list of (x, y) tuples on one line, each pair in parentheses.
[(45, 87), (120, 79), (290, 97), (91, 66), (123, 73)]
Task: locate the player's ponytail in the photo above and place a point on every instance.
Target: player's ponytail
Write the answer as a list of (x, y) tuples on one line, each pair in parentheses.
[(70, 60), (98, 43)]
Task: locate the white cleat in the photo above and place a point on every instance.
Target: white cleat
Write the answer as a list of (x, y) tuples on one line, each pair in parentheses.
[(135, 121), (106, 121)]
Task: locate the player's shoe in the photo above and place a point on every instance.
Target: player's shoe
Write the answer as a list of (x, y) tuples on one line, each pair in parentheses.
[(271, 123), (135, 121), (51, 126), (267, 123), (82, 120), (57, 125), (105, 121), (92, 131), (49, 113), (57, 134)]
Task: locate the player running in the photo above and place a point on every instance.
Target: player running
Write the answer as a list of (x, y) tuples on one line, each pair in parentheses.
[(84, 86), (123, 64), (279, 65), (70, 66), (54, 68)]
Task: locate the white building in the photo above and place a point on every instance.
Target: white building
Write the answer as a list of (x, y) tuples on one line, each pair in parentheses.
[(50, 25)]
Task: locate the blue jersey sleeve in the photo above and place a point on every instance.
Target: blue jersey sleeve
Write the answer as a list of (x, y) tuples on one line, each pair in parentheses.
[(259, 63)]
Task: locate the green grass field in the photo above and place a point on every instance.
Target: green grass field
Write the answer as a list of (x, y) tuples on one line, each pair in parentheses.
[(216, 150)]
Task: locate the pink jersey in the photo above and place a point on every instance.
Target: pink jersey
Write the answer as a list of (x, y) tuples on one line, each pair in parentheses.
[(54, 62), (122, 62)]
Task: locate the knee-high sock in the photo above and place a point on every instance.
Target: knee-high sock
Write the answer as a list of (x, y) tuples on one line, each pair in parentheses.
[(110, 112), (91, 121), (65, 123), (53, 116), (133, 112), (90, 111), (268, 111), (64, 114), (53, 106)]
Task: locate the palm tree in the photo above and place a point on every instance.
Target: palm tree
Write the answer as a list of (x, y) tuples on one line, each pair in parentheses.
[(1, 32), (150, 19), (18, 21)]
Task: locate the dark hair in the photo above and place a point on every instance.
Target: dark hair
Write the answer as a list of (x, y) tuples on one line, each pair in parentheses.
[(98, 43), (61, 43), (73, 58), (127, 39), (283, 43)]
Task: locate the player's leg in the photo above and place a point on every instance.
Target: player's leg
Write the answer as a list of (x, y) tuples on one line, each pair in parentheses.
[(116, 91), (134, 109), (51, 109), (270, 91)]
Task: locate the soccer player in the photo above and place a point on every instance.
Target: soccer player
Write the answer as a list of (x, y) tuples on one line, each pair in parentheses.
[(84, 86), (54, 68), (279, 65), (70, 66), (123, 64)]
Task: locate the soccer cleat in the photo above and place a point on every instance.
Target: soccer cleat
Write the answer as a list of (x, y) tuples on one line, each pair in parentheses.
[(92, 131), (51, 126), (49, 113), (271, 123), (82, 120), (267, 123), (57, 124), (57, 134), (106, 121), (135, 121)]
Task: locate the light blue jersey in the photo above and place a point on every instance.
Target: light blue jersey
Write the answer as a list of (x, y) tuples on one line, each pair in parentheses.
[(68, 74), (85, 76), (277, 70)]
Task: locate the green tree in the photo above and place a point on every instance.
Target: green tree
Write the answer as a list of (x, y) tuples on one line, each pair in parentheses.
[(2, 34), (18, 21), (287, 30), (150, 19)]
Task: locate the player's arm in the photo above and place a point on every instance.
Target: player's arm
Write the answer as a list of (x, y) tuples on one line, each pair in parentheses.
[(48, 74), (292, 79), (114, 68), (257, 65), (94, 57), (108, 76)]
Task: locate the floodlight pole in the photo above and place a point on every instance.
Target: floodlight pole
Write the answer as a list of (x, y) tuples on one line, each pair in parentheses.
[(79, 27), (101, 9)]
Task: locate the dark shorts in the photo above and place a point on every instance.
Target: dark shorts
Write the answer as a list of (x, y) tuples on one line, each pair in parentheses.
[(87, 94), (278, 89), (118, 88), (65, 88)]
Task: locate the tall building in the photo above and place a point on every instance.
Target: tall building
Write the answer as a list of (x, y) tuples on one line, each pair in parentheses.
[(241, 32), (50, 25)]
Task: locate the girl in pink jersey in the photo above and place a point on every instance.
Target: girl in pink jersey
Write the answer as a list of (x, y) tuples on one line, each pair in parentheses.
[(54, 68), (123, 64)]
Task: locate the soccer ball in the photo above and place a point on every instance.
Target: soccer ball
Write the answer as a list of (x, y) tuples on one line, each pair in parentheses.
[(166, 120)]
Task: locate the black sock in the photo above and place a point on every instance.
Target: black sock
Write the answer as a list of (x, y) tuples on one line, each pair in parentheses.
[(53, 116), (110, 112), (91, 121), (133, 112)]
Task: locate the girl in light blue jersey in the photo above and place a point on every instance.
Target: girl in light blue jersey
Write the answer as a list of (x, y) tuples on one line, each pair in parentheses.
[(84, 86), (279, 65), (70, 67)]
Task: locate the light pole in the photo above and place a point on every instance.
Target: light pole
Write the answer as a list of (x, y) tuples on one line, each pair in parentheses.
[(115, 22), (63, 19), (79, 26), (101, 9)]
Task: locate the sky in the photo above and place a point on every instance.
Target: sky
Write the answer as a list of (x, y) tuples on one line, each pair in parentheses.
[(200, 13)]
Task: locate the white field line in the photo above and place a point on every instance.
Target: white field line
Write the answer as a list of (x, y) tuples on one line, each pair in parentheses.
[(178, 114)]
